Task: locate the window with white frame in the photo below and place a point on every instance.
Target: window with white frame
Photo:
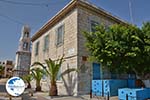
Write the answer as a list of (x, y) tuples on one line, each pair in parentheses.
[(60, 35)]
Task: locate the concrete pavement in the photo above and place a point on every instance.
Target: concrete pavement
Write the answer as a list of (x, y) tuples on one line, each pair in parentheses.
[(43, 95)]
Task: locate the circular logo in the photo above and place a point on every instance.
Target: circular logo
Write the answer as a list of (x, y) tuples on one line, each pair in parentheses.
[(15, 86)]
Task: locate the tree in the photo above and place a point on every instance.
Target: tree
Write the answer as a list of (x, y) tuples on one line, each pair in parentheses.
[(121, 48), (52, 69), (144, 63), (28, 78), (37, 74)]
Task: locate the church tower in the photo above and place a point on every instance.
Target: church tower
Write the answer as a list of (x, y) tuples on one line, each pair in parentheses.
[(23, 55)]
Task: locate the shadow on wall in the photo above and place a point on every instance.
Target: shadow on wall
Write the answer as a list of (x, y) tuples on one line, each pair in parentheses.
[(69, 82)]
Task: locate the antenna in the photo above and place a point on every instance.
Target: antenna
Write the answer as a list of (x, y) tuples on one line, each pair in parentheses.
[(130, 11)]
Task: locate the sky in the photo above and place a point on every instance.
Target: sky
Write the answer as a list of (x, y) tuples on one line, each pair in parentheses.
[(35, 13)]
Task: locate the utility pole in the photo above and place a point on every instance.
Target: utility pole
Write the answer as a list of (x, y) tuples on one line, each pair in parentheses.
[(130, 11)]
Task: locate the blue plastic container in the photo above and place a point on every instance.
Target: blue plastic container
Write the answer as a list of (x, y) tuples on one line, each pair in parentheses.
[(148, 92), (97, 87), (133, 94), (137, 94), (122, 93)]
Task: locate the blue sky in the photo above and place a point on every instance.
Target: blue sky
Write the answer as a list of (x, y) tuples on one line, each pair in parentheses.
[(37, 12)]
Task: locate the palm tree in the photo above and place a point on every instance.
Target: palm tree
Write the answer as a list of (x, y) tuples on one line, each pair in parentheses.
[(28, 78), (37, 74), (52, 70)]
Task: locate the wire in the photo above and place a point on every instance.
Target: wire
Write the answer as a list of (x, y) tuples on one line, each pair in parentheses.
[(30, 4), (20, 3), (24, 3), (11, 19)]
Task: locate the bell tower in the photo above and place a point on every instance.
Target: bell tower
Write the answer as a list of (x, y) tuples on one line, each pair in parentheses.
[(23, 55), (24, 42)]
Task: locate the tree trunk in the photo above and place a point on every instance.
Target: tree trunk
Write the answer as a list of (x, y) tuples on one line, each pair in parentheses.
[(53, 89), (29, 85), (38, 86)]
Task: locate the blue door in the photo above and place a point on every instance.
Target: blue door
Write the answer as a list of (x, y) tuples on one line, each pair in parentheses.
[(96, 71)]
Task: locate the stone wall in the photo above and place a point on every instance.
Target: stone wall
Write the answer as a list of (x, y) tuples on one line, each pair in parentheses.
[(69, 49), (84, 18), (76, 54), (23, 62)]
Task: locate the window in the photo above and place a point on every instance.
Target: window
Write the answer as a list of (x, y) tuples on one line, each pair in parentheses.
[(93, 25), (58, 75), (46, 43), (60, 34), (26, 34), (25, 46), (37, 48)]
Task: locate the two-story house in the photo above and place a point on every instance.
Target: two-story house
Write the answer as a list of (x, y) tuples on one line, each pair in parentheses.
[(62, 34)]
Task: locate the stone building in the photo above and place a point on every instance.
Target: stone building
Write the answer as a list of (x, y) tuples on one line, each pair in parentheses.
[(23, 55), (62, 34), (2, 63), (8, 68), (8, 72)]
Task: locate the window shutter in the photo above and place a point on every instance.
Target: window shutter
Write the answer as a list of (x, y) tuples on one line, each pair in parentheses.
[(37, 48), (63, 33), (59, 35)]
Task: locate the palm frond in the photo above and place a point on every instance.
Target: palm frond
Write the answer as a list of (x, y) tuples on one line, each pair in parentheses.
[(49, 68), (27, 78), (37, 73)]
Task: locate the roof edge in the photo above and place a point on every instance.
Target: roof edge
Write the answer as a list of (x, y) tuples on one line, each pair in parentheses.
[(103, 11), (54, 19), (58, 16)]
